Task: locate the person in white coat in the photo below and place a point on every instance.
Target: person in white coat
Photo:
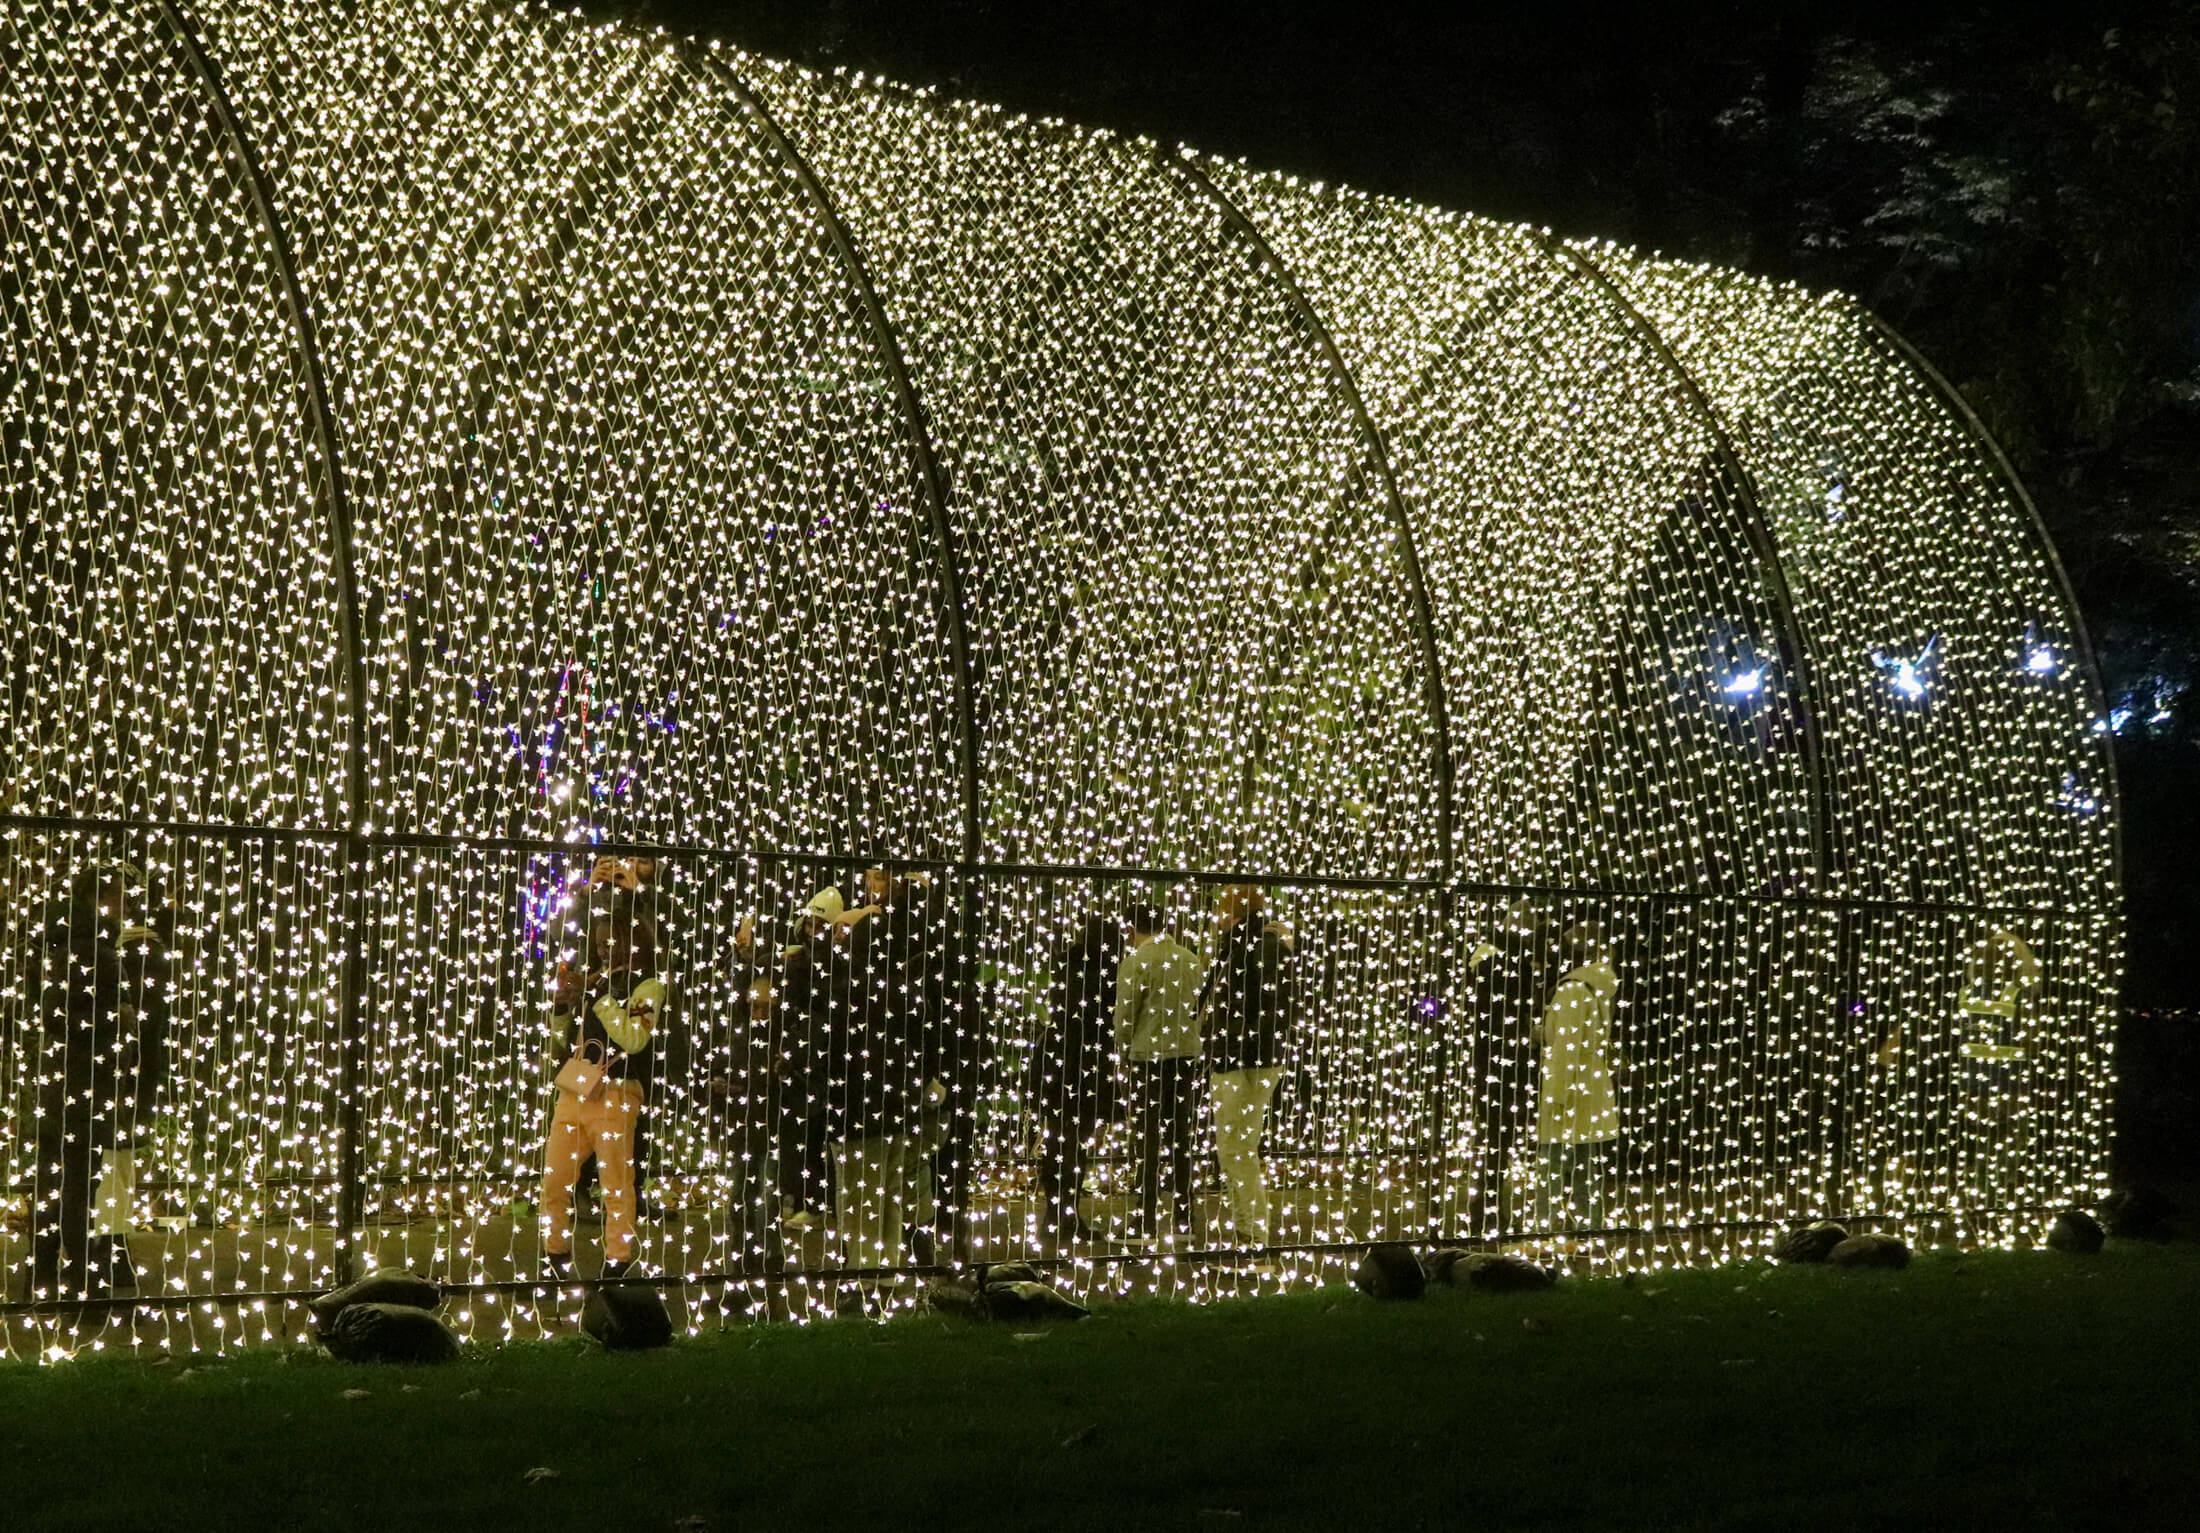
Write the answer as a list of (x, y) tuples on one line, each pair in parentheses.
[(1576, 1113)]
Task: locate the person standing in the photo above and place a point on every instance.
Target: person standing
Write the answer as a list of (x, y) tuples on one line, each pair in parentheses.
[(1576, 1113), (1245, 1009), (810, 998), (1073, 1071), (878, 1095), (1157, 1031), (102, 973), (611, 1020)]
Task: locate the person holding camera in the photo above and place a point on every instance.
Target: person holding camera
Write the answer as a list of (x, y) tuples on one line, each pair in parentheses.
[(610, 1013)]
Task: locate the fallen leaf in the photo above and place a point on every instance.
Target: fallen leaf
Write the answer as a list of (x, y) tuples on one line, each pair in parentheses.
[(1081, 1436), (471, 1394), (539, 1475), (1531, 1323), (357, 1394), (408, 1389)]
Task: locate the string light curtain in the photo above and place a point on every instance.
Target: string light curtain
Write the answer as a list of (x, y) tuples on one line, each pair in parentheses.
[(445, 445)]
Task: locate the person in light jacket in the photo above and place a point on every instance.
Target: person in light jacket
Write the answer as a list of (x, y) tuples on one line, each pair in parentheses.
[(1576, 1115), (1157, 1032)]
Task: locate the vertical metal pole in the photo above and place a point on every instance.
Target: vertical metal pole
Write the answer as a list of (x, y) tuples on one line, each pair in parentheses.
[(351, 912)]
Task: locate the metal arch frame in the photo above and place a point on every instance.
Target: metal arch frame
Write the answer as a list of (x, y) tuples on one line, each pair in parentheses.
[(1755, 527), (930, 483), (1188, 174), (1953, 398), (351, 1186)]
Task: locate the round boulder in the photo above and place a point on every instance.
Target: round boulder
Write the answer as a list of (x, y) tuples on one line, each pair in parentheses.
[(1390, 1272), (627, 1319), (401, 1288), (388, 1333), (1869, 1251), (1493, 1272), (2075, 1232), (1809, 1242)]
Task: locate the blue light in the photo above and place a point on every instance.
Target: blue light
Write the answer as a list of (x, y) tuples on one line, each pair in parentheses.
[(2040, 658), (1909, 677), (2076, 797)]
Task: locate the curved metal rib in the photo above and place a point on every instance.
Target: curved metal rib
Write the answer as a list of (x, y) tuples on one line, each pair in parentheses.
[(1955, 401), (1759, 532), (929, 481), (353, 1064), (1437, 701)]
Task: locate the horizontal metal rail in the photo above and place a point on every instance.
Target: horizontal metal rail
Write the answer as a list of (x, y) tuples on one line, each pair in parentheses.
[(544, 846)]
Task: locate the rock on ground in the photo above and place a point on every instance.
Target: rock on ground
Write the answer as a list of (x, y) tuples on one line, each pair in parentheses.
[(1869, 1251), (388, 1333), (1390, 1272), (375, 1288), (1027, 1301), (2075, 1231), (627, 1319), (1809, 1243), (1492, 1272)]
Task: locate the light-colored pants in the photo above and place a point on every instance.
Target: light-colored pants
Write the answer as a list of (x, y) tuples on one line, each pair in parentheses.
[(113, 1206), (1574, 1188), (603, 1128), (876, 1182), (1241, 1100)]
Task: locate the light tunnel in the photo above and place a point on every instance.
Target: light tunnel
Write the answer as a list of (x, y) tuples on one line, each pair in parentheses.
[(442, 442)]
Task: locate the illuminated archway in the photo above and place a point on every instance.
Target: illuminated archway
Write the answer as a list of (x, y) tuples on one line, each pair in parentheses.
[(443, 439)]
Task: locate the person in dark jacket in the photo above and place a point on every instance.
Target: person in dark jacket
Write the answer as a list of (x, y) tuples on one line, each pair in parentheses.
[(1074, 1072), (920, 925), (807, 1006), (1246, 1008), (101, 971), (882, 1094)]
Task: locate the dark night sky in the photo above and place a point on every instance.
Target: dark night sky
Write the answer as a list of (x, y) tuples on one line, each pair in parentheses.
[(1593, 120)]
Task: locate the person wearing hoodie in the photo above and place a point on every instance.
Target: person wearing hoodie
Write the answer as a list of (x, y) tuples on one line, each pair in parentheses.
[(1157, 1033), (1576, 1112)]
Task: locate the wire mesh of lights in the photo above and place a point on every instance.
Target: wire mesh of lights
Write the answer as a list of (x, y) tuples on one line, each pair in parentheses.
[(676, 395)]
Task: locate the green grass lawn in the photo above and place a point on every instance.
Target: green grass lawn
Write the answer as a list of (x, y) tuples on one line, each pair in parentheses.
[(1981, 1390)]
